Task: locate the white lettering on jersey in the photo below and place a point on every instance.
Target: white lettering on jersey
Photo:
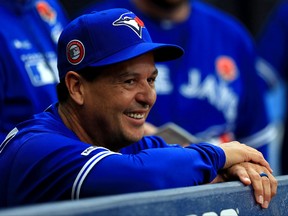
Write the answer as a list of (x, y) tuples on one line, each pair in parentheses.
[(22, 44), (216, 92), (90, 149), (163, 83)]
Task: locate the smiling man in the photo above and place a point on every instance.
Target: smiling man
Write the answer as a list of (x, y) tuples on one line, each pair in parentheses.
[(91, 142), (122, 94)]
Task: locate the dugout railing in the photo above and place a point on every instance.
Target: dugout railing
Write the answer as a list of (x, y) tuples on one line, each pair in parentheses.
[(229, 198)]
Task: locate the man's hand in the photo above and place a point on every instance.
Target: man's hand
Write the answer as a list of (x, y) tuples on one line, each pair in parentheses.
[(265, 188), (237, 153)]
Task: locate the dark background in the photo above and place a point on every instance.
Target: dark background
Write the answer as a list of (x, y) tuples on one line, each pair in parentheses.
[(252, 13)]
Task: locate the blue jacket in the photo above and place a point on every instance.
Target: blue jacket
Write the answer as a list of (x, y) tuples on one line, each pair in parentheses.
[(42, 160)]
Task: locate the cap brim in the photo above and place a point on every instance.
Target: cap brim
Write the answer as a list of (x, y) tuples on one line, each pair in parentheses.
[(161, 52)]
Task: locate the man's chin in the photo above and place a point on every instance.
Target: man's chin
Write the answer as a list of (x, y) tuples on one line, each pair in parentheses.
[(136, 137)]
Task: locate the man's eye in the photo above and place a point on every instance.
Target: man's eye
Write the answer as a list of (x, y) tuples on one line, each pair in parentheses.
[(151, 80), (130, 81)]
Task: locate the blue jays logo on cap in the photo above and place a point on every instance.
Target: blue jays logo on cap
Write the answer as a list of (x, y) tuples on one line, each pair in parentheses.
[(132, 21)]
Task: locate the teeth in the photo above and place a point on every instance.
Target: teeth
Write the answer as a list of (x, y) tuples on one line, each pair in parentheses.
[(136, 116)]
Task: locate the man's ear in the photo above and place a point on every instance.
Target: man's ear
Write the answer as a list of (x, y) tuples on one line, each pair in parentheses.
[(74, 83)]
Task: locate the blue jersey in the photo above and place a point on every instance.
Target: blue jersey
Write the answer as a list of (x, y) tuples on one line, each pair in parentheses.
[(272, 41), (42, 160), (28, 72), (213, 91)]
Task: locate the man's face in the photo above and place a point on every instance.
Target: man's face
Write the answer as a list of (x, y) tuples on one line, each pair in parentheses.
[(117, 102)]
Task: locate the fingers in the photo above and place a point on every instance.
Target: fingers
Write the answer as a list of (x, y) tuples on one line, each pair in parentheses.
[(266, 191), (256, 157), (265, 188), (274, 184), (239, 171), (262, 189), (269, 185), (244, 177), (237, 153), (246, 163)]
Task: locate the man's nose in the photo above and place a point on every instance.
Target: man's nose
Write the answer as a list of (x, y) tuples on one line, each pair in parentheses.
[(146, 95)]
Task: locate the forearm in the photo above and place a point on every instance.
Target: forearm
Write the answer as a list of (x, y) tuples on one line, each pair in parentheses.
[(155, 169)]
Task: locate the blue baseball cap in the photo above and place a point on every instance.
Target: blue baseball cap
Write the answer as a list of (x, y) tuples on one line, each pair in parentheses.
[(108, 37)]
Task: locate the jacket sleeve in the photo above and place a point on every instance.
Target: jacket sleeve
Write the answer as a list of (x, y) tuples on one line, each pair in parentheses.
[(153, 169)]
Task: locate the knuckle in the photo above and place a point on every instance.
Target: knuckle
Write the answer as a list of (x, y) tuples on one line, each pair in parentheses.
[(265, 180), (256, 176), (273, 181)]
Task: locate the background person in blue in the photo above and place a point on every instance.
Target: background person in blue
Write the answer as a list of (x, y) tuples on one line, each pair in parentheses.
[(28, 73), (215, 83), (106, 63), (273, 49)]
